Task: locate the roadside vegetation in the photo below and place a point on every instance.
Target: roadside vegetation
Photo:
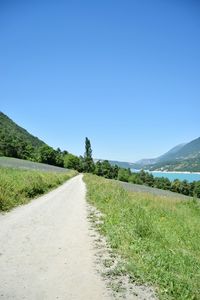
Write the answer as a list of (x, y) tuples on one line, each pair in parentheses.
[(158, 237), (20, 186)]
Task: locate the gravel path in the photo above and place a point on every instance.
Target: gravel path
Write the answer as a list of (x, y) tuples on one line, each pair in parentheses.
[(46, 249)]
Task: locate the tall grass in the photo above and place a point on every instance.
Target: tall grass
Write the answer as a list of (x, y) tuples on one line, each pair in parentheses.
[(159, 237), (19, 186)]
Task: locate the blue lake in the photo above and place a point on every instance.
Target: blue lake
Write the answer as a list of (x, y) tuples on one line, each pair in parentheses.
[(171, 175), (181, 176)]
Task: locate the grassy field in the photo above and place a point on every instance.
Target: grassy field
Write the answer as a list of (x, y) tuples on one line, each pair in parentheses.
[(158, 237), (16, 163), (19, 186)]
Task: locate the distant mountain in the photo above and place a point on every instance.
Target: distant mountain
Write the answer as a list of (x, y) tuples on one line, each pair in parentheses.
[(184, 157), (189, 151), (122, 164), (165, 157), (146, 161), (189, 165), (171, 153), (15, 140)]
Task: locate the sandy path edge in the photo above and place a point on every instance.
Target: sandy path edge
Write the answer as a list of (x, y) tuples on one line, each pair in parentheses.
[(46, 250)]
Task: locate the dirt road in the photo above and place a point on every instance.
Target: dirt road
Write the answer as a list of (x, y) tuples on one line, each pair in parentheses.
[(46, 249)]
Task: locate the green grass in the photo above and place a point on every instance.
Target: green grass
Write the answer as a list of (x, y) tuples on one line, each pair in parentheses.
[(19, 186), (158, 237)]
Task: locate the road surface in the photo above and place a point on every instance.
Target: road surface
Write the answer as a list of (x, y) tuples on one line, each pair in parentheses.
[(46, 249)]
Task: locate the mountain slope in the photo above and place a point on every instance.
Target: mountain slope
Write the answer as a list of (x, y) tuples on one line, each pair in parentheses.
[(190, 150), (185, 158), (171, 153), (15, 140), (181, 165), (165, 157)]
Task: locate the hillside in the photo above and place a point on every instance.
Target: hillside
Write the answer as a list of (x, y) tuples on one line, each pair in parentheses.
[(15, 141), (181, 165), (189, 151), (187, 158), (169, 155)]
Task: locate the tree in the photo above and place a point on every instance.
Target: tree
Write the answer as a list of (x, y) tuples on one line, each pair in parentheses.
[(149, 179), (106, 169), (176, 186), (124, 174), (192, 187), (162, 183), (142, 176), (88, 163), (59, 158), (115, 170), (197, 189), (29, 152), (47, 155), (81, 164), (98, 168), (71, 161), (133, 178), (185, 188)]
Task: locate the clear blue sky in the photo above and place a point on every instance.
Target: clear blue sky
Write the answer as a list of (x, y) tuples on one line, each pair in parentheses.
[(124, 73)]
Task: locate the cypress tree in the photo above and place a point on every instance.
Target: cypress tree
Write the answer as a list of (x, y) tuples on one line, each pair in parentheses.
[(88, 160)]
